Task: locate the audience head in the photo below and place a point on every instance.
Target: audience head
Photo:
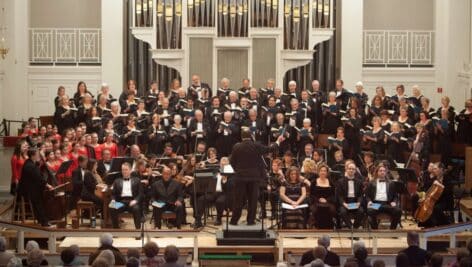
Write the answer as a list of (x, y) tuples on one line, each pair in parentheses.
[(35, 257), (67, 256), (361, 254), (151, 249), (30, 245), (316, 263), (436, 260), (15, 262), (324, 241), (108, 256), (106, 239), (133, 252), (320, 252), (171, 254), (357, 245), (412, 238), (378, 263)]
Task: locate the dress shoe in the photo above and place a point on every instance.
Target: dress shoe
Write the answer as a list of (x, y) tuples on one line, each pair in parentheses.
[(197, 225), (233, 223)]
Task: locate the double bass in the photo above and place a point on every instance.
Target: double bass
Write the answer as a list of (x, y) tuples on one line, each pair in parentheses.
[(425, 209)]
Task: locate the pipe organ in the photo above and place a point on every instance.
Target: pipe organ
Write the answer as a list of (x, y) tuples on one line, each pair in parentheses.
[(241, 28)]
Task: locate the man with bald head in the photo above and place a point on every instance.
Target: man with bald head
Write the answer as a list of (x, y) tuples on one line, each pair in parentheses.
[(167, 195), (196, 89), (227, 134), (198, 129)]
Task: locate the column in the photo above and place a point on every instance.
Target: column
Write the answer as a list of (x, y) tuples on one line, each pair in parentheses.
[(113, 45), (351, 41), (15, 94)]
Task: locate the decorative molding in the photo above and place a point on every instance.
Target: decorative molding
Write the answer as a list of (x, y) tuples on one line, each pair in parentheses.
[(232, 42), (320, 35), (173, 58), (145, 34)]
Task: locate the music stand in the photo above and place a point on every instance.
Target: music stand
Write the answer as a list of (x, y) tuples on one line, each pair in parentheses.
[(204, 183), (64, 167)]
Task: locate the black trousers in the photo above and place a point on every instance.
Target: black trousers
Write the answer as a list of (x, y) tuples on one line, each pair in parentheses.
[(346, 215), (245, 189), (272, 196), (179, 212), (135, 210), (394, 212), (205, 200), (38, 209)]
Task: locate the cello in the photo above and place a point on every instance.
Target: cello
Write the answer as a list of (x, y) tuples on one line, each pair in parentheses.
[(425, 209)]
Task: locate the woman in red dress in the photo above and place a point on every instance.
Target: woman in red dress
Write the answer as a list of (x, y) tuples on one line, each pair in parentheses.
[(17, 161), (109, 144)]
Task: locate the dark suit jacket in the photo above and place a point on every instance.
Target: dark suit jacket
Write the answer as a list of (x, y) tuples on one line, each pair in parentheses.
[(136, 189), (416, 255), (342, 190), (169, 195), (119, 258), (101, 170), (372, 190), (32, 184), (77, 182), (89, 185), (246, 160), (331, 259)]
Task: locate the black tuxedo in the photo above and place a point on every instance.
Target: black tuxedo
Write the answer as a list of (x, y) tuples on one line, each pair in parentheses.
[(167, 193), (342, 191), (394, 212), (137, 194), (193, 93), (194, 138), (250, 171), (31, 186), (77, 185), (101, 169)]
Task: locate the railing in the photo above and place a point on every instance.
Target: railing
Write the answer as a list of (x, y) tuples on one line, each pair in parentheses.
[(450, 230), (65, 45), (398, 48), (53, 234)]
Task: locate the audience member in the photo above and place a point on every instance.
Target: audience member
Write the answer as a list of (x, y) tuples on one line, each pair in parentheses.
[(151, 250), (106, 243), (5, 256)]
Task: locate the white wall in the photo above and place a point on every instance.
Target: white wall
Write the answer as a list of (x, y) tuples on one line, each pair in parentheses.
[(398, 14), (351, 41), (65, 13), (44, 81), (113, 44)]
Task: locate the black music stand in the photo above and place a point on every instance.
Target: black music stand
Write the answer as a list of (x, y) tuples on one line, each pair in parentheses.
[(64, 167), (204, 183)]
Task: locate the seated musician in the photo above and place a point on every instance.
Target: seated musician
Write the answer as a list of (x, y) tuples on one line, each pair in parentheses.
[(381, 192), (323, 208), (444, 203), (349, 192), (78, 180), (275, 180), (167, 196), (91, 181), (212, 157), (293, 193), (104, 165), (128, 191), (218, 197)]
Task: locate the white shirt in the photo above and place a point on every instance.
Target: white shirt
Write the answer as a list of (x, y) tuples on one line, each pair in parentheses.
[(82, 171), (350, 188), (126, 192), (107, 166), (219, 188), (381, 194)]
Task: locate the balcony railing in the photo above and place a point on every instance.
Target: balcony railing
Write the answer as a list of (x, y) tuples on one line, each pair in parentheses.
[(64, 46), (398, 48)]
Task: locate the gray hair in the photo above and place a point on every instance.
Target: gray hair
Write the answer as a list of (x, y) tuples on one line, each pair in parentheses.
[(292, 82), (324, 241), (108, 256), (317, 263), (3, 244), (357, 245), (30, 245), (106, 239), (35, 257), (15, 262)]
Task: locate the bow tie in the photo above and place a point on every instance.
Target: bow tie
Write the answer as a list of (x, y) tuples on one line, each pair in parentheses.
[(381, 181), (126, 179)]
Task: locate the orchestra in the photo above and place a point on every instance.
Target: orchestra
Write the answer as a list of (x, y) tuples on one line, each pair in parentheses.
[(327, 159)]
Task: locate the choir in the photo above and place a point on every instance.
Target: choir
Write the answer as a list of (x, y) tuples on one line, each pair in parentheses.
[(339, 165)]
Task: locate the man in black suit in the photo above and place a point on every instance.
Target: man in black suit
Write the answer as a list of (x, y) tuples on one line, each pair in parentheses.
[(380, 191), (197, 88), (331, 258), (167, 193), (32, 185), (248, 164), (128, 191), (348, 191), (416, 255), (104, 165), (78, 180)]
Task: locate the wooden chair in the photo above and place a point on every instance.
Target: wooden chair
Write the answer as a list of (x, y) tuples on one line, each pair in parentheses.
[(82, 206), (167, 216)]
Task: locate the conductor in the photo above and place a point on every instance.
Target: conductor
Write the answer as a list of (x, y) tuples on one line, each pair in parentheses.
[(249, 167)]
